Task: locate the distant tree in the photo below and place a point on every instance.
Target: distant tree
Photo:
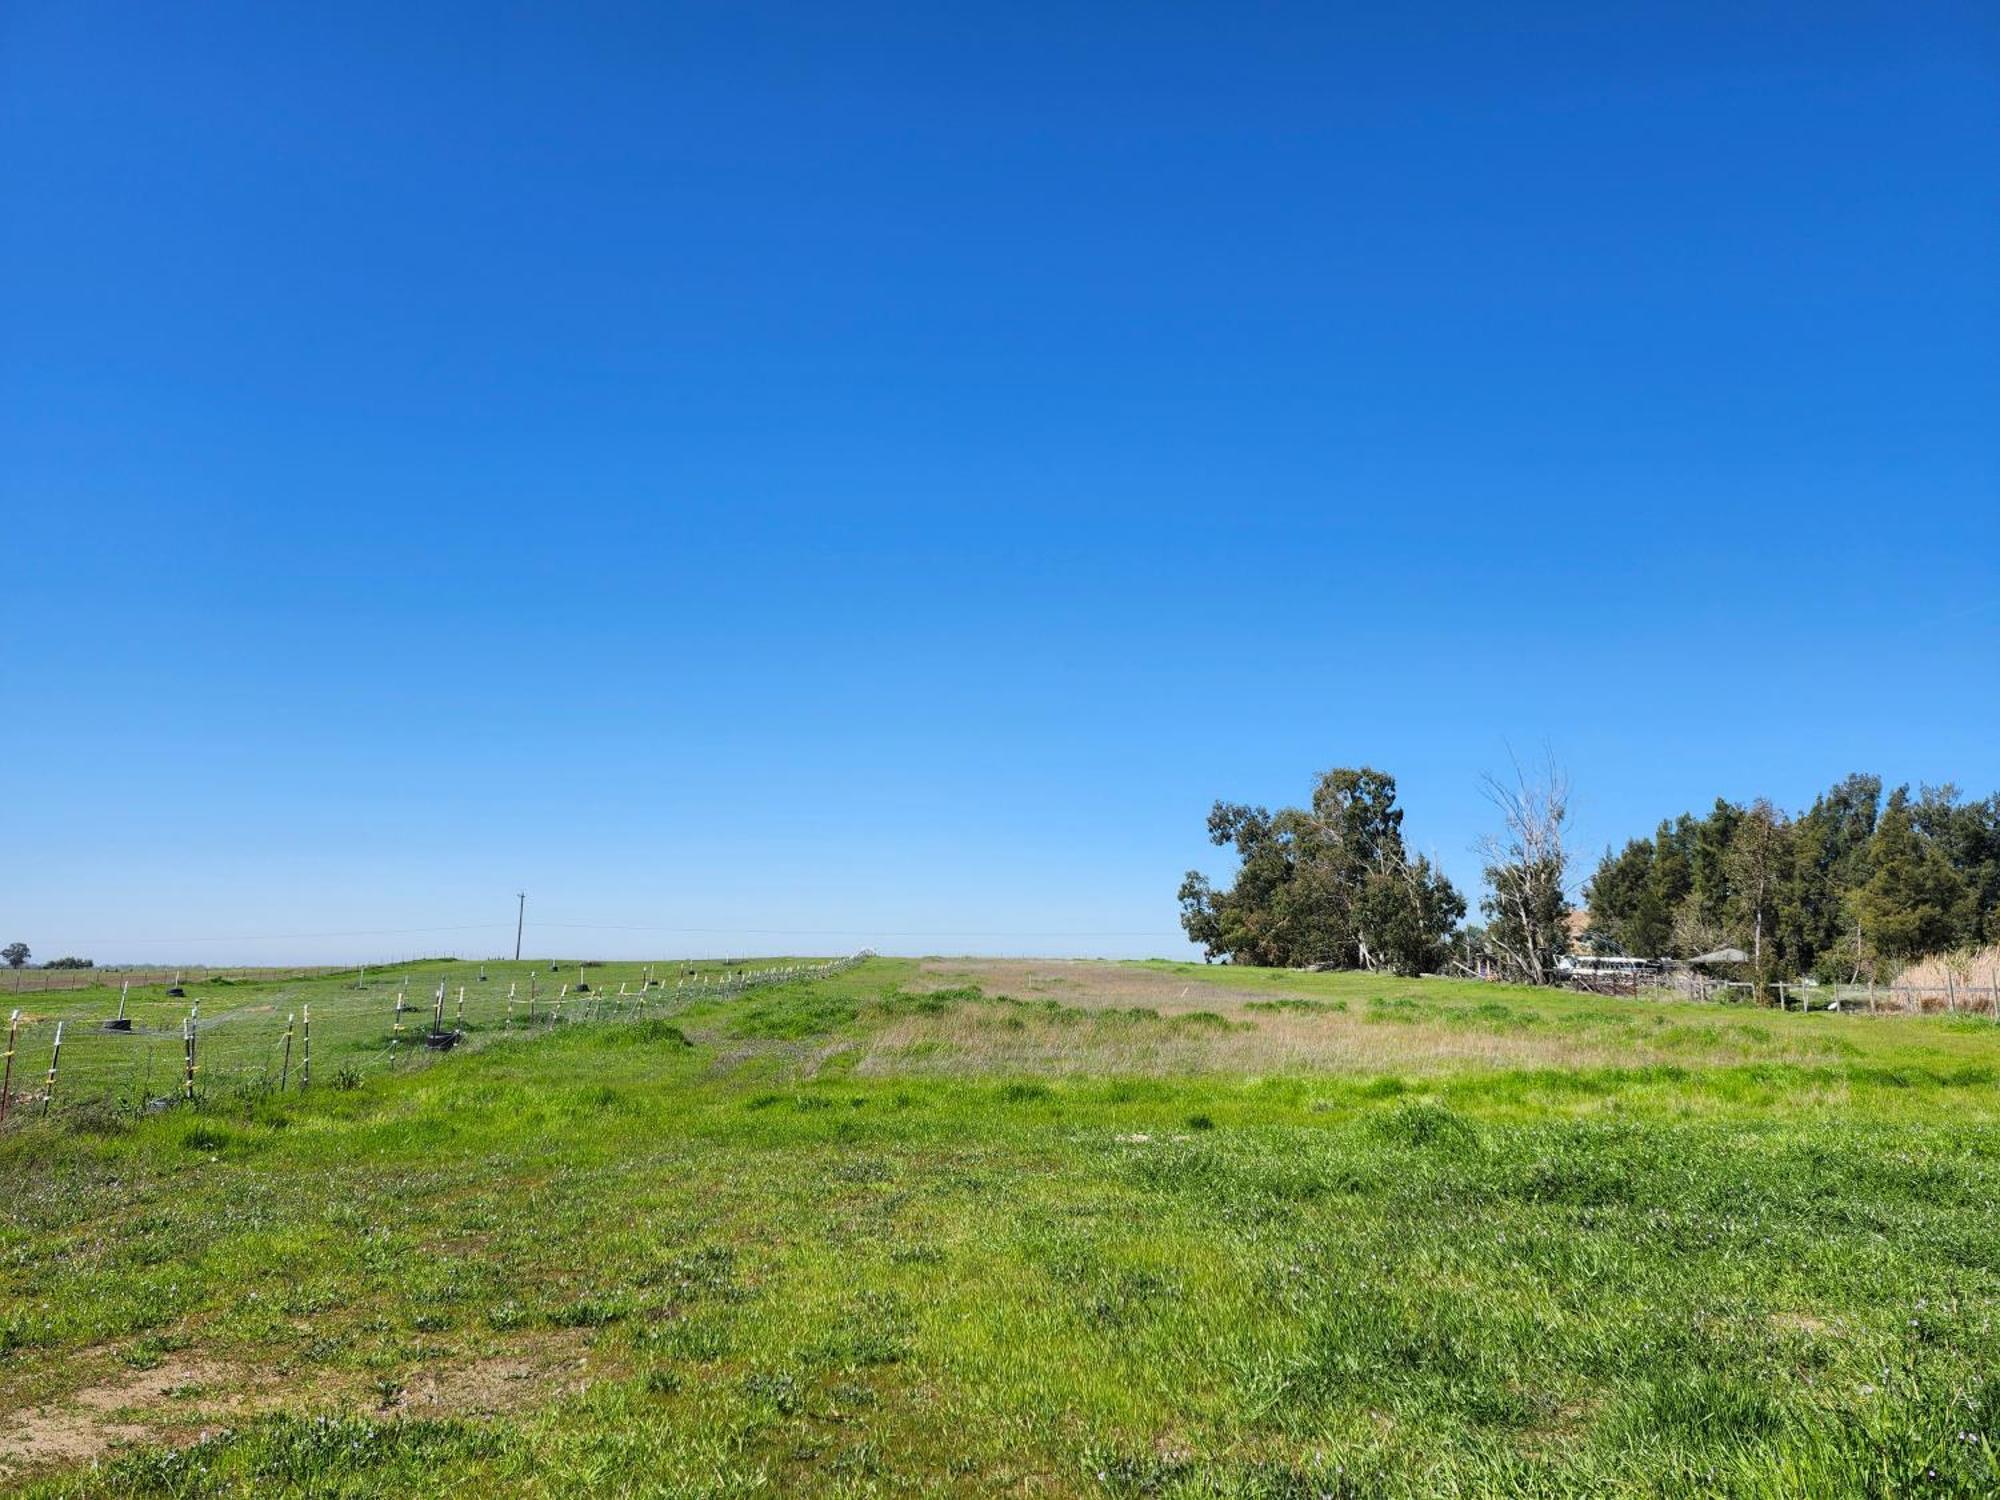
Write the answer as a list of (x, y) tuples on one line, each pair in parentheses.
[(1527, 869), (1243, 921), (1619, 899), (1328, 883), (69, 963), (16, 955), (1409, 914), (1829, 858), (1708, 862), (1967, 835), (1914, 901), (1756, 864)]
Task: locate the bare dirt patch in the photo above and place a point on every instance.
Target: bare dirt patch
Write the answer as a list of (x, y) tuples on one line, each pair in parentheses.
[(91, 1421), (176, 1401), (501, 1383)]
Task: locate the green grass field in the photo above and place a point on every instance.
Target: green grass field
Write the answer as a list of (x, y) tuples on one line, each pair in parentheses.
[(1000, 1227)]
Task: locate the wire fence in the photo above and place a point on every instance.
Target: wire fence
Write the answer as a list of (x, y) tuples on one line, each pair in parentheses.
[(27, 981), (1970, 999), (159, 1053)]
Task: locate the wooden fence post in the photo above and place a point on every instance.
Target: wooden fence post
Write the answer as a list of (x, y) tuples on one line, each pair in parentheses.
[(7, 1072), (285, 1069), (187, 1058)]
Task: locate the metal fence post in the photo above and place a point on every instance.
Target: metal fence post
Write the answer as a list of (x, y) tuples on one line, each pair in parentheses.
[(55, 1057)]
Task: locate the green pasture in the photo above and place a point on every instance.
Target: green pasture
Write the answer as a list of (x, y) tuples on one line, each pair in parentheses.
[(866, 1235)]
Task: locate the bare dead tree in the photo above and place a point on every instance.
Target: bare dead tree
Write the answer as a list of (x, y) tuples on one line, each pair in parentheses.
[(1527, 869)]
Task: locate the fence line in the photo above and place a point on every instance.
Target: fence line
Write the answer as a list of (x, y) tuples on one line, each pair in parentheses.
[(1977, 999), (124, 1066), (27, 981)]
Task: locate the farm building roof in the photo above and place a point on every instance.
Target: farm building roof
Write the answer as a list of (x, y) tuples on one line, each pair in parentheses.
[(1722, 956)]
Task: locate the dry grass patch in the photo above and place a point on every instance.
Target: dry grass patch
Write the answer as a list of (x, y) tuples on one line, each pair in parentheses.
[(1089, 984), (1068, 1018)]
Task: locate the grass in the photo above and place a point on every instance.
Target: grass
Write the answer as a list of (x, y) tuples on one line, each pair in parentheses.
[(768, 1244), (356, 1028)]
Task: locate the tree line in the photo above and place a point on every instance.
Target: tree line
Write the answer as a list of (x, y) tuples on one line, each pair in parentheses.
[(16, 956), (1852, 888)]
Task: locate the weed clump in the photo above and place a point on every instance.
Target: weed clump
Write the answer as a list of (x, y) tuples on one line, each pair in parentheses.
[(777, 1389), (1423, 1123), (654, 1032), (588, 1312), (208, 1137)]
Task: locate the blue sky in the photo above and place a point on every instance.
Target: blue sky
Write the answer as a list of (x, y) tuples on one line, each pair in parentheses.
[(785, 477)]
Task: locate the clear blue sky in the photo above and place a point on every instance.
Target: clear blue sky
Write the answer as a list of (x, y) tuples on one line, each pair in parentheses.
[(876, 474)]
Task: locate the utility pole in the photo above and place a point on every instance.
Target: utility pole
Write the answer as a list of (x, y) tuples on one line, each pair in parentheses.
[(520, 919)]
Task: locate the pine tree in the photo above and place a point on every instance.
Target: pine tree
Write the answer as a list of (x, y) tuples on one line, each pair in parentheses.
[(1914, 902)]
